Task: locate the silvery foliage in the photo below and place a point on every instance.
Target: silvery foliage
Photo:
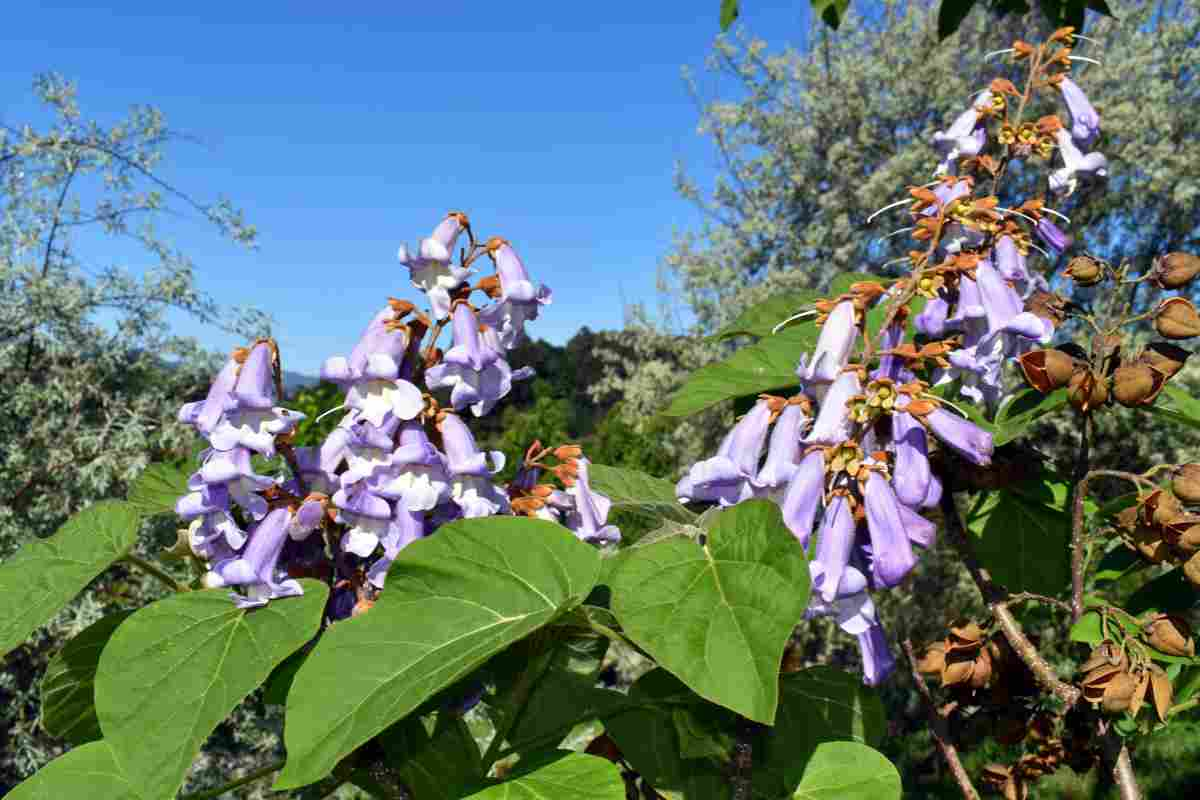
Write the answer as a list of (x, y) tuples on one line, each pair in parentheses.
[(811, 142), (92, 376)]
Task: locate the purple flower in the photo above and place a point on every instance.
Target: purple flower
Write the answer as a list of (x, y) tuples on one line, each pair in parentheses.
[(384, 336), (968, 439), (730, 476), (416, 475), (852, 609), (838, 334), (404, 528), (257, 568), (921, 531), (1085, 122), (803, 496), (891, 551), (783, 455), (205, 415), (833, 418), (471, 488), (878, 662), (834, 544), (932, 320), (252, 420), (519, 301), (432, 268), (232, 469), (589, 517), (1009, 260), (911, 474), (476, 374), (1003, 307), (965, 137), (366, 514), (312, 472), (368, 450), (1065, 180)]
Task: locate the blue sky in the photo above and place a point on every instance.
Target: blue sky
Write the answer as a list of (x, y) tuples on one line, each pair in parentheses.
[(344, 129)]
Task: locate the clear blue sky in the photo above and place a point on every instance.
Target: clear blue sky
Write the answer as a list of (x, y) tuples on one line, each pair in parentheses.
[(344, 129)]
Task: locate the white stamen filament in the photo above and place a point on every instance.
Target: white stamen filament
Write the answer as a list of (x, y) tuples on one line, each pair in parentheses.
[(999, 52), (1085, 38), (894, 261), (1063, 217), (943, 400), (325, 414), (793, 318), (903, 202), (899, 231), (1043, 252), (1018, 213), (1085, 58)]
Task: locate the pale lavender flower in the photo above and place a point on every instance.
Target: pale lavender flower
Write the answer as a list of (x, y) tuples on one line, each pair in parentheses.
[(783, 455), (1085, 122), (519, 300), (367, 515), (471, 487), (966, 136), (932, 319), (475, 374), (588, 519), (1052, 235), (964, 436), (405, 527), (835, 542), (730, 476), (892, 557), (232, 469), (1065, 179), (432, 268), (205, 414), (911, 473), (803, 497), (1009, 261), (838, 334), (833, 419), (256, 569), (416, 474)]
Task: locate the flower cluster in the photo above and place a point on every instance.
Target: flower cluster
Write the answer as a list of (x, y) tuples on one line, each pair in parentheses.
[(849, 454), (400, 463)]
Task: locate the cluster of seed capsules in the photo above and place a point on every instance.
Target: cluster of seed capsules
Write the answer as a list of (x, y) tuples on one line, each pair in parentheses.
[(850, 452), (400, 464)]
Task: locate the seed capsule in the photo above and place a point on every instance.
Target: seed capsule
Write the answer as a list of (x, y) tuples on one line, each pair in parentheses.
[(1186, 484), (1177, 318), (1165, 357), (1175, 270), (1087, 390), (1136, 385), (1170, 635), (1047, 370), (1085, 271)]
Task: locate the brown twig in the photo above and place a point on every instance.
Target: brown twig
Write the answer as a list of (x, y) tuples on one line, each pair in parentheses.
[(1077, 536), (939, 728)]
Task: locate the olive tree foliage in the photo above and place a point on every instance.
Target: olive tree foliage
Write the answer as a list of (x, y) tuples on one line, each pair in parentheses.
[(811, 141), (93, 376)]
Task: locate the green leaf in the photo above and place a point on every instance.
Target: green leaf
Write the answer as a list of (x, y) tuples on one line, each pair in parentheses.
[(1022, 535), (1026, 408), (848, 771), (83, 772), (729, 12), (561, 776), (452, 601), (279, 682), (438, 762), (1088, 629), (178, 666), (159, 486), (1117, 563), (766, 365), (1178, 406), (630, 489), (68, 702), (1170, 591), (760, 319), (718, 616), (831, 12), (44, 576), (561, 701), (951, 14)]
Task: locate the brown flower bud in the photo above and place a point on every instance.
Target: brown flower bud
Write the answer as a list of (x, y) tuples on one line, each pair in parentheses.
[(1165, 357), (1170, 635), (1175, 270), (1047, 370), (1137, 385), (1186, 484), (1160, 688), (1087, 390), (1191, 570), (933, 660), (1176, 318), (1085, 271)]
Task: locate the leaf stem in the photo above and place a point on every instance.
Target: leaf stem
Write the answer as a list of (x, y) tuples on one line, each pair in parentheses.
[(258, 774), (150, 568)]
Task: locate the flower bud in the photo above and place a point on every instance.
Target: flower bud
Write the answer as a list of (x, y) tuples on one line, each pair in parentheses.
[(1087, 390), (1085, 271), (1177, 318), (1136, 385), (1186, 485), (1165, 357), (1170, 635), (1175, 270), (1047, 370)]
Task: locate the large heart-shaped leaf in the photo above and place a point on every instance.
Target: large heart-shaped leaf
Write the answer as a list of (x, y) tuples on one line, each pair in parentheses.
[(452, 601), (1023, 532), (177, 667), (68, 701), (848, 771), (438, 761), (718, 614), (562, 776), (159, 486), (44, 576), (761, 319), (85, 771), (766, 365)]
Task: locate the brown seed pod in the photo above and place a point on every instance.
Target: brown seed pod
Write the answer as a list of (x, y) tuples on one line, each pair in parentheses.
[(1149, 541), (1048, 306), (1171, 635), (1139, 692), (1047, 370), (1085, 271), (1191, 570), (933, 660), (1105, 654), (1161, 508), (1118, 692), (1137, 385), (1186, 484), (958, 670), (1165, 357), (1160, 688), (1177, 318), (964, 636), (1175, 270), (1087, 390)]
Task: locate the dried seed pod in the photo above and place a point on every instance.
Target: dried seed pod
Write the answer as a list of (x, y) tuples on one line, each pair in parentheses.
[(981, 670), (1047, 370), (1177, 318), (1191, 570), (1188, 535), (1105, 654), (1171, 635), (1160, 508), (1149, 541), (1087, 390), (1165, 357), (964, 636), (1137, 385), (1118, 692), (958, 670), (1160, 689), (1085, 271), (933, 660), (1186, 484), (1175, 270), (1010, 729), (1139, 693), (1048, 306)]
